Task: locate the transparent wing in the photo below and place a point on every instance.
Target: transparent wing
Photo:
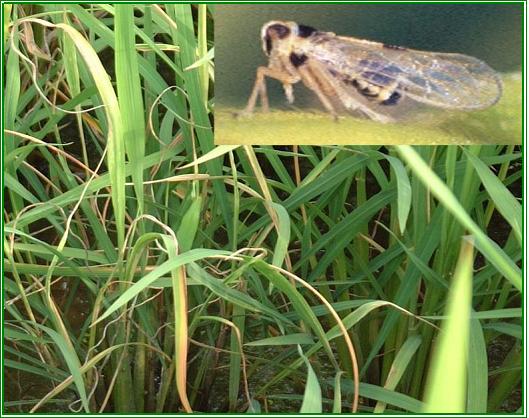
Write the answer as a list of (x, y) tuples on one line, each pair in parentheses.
[(452, 81)]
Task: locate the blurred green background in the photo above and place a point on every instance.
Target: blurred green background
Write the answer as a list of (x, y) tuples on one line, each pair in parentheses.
[(491, 32)]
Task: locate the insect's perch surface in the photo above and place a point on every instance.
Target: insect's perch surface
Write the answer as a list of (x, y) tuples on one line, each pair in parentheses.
[(369, 77)]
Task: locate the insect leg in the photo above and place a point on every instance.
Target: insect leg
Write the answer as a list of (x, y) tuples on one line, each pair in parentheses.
[(289, 93), (352, 104), (311, 83), (349, 102), (259, 87)]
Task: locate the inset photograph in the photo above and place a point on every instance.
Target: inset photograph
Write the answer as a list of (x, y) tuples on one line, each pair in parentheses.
[(368, 74)]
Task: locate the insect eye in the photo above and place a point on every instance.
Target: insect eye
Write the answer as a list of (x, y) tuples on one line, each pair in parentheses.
[(281, 31)]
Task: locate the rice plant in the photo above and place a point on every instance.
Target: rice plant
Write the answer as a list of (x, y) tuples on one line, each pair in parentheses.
[(146, 270)]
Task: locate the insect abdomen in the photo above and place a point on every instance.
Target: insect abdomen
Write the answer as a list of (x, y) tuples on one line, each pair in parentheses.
[(385, 96), (392, 100)]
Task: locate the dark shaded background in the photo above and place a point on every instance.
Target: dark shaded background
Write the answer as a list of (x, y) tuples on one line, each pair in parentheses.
[(491, 32)]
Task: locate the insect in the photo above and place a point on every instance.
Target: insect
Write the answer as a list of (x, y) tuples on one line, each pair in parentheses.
[(367, 77)]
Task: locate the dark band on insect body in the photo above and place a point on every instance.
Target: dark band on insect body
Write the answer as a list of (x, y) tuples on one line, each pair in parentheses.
[(374, 92), (392, 100), (305, 31), (371, 92), (366, 89), (297, 60)]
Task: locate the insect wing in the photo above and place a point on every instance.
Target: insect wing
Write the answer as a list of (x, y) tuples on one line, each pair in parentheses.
[(444, 80), (451, 81)]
